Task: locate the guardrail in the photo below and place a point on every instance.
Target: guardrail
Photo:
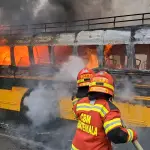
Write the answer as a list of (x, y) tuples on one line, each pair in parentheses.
[(79, 25)]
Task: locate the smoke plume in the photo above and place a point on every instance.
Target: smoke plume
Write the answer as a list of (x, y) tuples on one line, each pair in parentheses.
[(69, 70), (33, 11), (127, 93), (43, 102), (43, 111)]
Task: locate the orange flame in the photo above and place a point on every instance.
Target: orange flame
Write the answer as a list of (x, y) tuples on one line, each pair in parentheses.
[(41, 54), (5, 55), (107, 50), (89, 55), (21, 56)]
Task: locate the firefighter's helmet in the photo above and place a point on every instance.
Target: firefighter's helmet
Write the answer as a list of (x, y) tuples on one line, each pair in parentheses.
[(84, 77), (102, 82)]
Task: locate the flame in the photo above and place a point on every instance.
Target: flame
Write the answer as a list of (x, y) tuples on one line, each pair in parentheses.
[(93, 59), (62, 53), (89, 55), (21, 56), (107, 50), (41, 54), (5, 58)]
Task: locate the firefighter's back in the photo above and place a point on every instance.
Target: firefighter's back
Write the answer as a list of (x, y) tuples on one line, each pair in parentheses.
[(90, 134)]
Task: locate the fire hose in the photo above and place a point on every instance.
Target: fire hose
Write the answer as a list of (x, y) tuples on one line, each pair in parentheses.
[(137, 145)]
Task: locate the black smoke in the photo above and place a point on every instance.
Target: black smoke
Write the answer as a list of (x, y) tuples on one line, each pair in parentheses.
[(68, 6), (16, 11), (23, 11)]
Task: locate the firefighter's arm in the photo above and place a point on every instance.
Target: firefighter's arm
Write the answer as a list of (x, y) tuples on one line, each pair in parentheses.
[(114, 128), (74, 111), (75, 100)]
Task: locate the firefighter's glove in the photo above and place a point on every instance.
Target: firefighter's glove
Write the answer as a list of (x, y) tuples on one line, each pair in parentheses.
[(132, 135)]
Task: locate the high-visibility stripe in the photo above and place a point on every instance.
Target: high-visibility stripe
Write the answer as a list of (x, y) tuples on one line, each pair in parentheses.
[(88, 107), (109, 125), (102, 84), (80, 81), (130, 135), (83, 80), (75, 115), (75, 101), (73, 147)]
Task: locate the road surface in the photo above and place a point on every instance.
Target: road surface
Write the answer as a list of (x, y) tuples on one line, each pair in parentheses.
[(55, 138), (58, 136), (10, 144)]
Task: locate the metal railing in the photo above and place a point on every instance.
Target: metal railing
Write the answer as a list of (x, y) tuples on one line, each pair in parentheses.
[(79, 25)]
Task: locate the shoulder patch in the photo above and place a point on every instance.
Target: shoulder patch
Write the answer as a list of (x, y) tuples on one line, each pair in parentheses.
[(112, 106)]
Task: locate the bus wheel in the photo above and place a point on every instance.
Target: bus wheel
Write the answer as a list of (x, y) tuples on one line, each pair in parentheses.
[(23, 119)]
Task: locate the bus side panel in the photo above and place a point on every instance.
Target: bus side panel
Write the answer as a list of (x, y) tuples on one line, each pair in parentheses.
[(65, 106), (134, 114), (11, 99)]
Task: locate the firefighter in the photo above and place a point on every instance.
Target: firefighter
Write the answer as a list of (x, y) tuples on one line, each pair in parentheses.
[(99, 120), (83, 81)]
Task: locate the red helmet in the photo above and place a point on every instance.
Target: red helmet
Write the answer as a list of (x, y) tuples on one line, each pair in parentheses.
[(84, 77), (102, 82)]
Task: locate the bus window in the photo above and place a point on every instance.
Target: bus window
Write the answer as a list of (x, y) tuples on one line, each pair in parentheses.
[(21, 56), (89, 55), (115, 56), (41, 54), (142, 56), (5, 58), (62, 53)]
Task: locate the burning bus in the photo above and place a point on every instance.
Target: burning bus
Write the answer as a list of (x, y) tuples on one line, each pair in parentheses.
[(115, 45)]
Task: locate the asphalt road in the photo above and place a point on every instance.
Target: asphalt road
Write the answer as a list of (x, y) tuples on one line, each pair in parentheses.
[(58, 137), (8, 144)]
